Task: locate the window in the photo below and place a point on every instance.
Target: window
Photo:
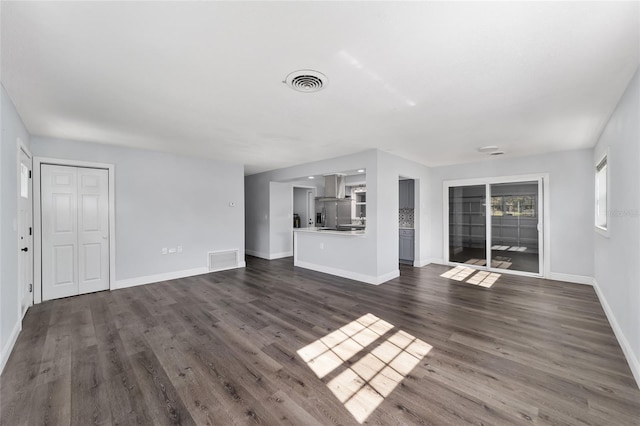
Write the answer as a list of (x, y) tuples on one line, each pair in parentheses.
[(24, 181), (602, 172), (359, 211)]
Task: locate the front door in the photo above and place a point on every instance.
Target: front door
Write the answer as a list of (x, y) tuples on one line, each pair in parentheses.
[(25, 229), (75, 230)]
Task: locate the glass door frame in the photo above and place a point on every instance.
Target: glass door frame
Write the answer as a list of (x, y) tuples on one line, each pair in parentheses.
[(543, 221)]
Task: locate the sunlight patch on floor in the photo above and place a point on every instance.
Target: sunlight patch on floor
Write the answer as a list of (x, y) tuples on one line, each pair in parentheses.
[(328, 353), (508, 248), (363, 386), (484, 279), (501, 264), (459, 273)]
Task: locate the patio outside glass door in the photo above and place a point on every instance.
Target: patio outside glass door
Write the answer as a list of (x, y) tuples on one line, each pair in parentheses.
[(514, 227)]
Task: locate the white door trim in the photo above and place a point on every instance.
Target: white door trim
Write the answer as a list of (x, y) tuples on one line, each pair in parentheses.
[(545, 271), (37, 210), (22, 147)]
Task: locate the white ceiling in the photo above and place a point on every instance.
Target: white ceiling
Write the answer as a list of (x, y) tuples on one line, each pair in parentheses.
[(427, 81)]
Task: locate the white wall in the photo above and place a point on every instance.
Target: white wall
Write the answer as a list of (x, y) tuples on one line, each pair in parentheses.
[(571, 204), (164, 200), (617, 257), (373, 257), (390, 168), (12, 129)]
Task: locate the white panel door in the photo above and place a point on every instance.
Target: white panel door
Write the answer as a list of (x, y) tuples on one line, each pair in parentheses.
[(25, 227), (75, 231), (93, 230), (59, 195)]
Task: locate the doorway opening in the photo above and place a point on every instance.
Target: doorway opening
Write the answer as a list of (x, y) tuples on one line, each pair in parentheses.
[(304, 207), (406, 221)]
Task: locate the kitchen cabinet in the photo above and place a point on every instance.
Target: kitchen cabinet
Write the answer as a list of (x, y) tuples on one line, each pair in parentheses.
[(407, 238), (407, 194)]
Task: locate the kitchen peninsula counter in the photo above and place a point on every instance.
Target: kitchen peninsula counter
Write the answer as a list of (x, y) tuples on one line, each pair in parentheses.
[(330, 231)]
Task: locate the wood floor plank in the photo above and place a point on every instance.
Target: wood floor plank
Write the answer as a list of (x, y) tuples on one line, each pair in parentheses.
[(222, 348), (54, 396), (158, 393), (89, 399)]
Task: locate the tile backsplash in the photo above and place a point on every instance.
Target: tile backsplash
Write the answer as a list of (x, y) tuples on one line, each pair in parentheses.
[(406, 218)]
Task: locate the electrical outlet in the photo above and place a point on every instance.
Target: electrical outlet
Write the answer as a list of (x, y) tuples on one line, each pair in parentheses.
[(179, 249), (164, 250), (172, 250)]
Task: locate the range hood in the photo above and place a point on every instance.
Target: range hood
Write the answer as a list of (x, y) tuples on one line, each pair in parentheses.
[(333, 188)]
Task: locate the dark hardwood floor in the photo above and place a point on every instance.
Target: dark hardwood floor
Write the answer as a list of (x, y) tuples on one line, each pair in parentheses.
[(223, 349)]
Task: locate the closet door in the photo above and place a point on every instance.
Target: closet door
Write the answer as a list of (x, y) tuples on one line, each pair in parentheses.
[(59, 201), (75, 230), (93, 230)]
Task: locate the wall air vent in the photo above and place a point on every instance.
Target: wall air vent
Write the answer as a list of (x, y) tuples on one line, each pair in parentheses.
[(307, 81), (221, 260)]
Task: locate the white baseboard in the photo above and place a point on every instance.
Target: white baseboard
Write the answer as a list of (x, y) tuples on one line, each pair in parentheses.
[(149, 279), (570, 278), (369, 279), (281, 255), (8, 347), (257, 254), (632, 359), (269, 256), (132, 282), (425, 262)]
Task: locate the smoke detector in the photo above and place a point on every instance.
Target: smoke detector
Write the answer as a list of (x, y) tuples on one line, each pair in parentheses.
[(306, 81)]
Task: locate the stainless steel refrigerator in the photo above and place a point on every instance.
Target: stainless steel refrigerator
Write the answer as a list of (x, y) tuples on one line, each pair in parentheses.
[(334, 212)]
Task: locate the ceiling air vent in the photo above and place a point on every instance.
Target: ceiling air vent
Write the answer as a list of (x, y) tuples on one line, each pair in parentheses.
[(307, 81)]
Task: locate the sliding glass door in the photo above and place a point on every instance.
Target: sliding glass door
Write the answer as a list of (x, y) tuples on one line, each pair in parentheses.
[(502, 234), (468, 224), (514, 227)]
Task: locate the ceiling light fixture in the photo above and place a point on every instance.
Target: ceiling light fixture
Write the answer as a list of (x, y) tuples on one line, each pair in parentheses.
[(307, 81), (360, 170), (489, 148), (312, 177), (497, 153)]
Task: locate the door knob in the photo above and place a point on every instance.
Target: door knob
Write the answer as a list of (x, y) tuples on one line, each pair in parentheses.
[(25, 249)]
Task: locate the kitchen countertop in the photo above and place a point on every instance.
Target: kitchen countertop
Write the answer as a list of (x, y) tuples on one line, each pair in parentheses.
[(329, 231)]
